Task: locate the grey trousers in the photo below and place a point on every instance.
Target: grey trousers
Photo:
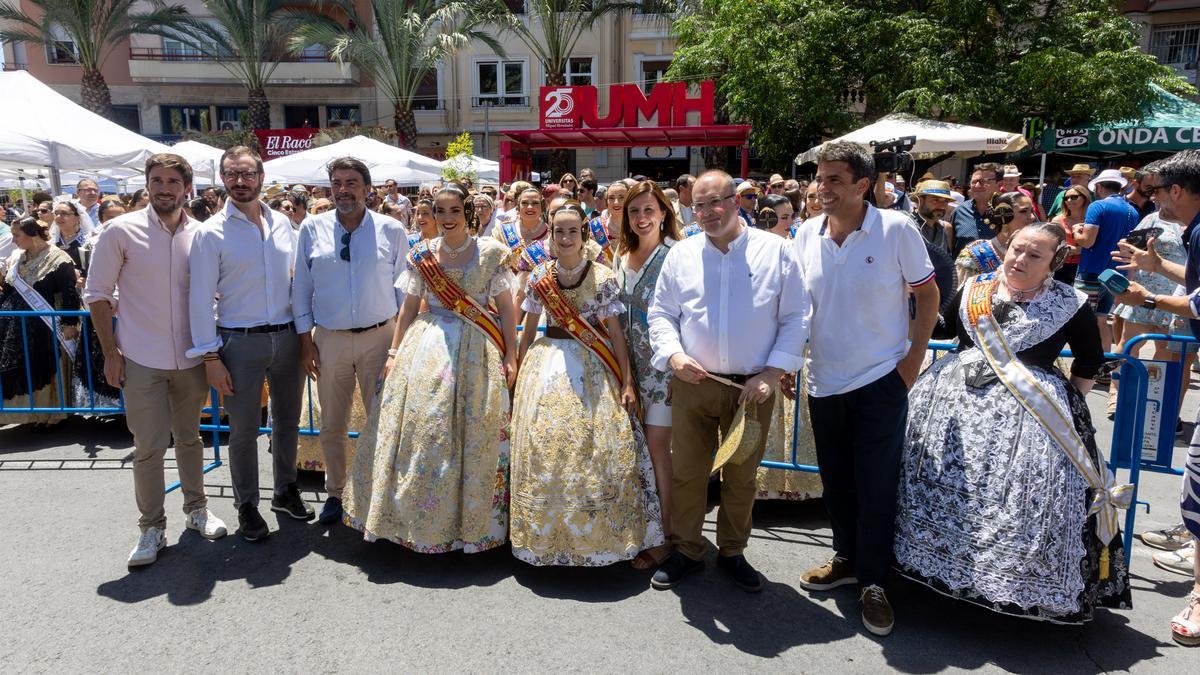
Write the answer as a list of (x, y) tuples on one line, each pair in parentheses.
[(250, 359)]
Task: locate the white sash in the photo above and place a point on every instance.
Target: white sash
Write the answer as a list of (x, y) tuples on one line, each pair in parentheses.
[(38, 304), (1107, 495)]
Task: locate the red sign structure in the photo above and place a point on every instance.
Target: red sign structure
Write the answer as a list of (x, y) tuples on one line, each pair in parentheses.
[(276, 143), (570, 117), (668, 103)]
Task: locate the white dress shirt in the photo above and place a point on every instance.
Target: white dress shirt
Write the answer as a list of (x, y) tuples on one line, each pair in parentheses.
[(860, 298), (339, 295), (735, 313), (245, 272)]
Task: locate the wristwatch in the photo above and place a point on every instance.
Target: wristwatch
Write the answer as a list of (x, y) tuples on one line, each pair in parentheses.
[(1151, 302)]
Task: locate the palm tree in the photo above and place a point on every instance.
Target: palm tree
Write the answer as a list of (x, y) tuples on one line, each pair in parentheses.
[(414, 35), (562, 23), (249, 38), (93, 27)]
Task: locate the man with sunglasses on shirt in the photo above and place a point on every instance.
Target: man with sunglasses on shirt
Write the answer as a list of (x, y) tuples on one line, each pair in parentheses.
[(345, 300), (241, 264)]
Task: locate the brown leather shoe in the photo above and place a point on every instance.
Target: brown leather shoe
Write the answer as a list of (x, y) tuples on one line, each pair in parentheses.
[(835, 572), (877, 614)]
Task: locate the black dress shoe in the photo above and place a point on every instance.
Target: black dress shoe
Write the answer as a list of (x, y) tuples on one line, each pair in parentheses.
[(331, 512), (251, 524), (291, 503), (741, 572), (671, 572)]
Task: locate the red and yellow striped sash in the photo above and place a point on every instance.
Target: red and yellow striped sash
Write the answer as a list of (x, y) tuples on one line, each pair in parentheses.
[(452, 296)]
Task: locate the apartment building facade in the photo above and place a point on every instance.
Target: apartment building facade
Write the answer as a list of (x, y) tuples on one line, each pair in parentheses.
[(162, 88)]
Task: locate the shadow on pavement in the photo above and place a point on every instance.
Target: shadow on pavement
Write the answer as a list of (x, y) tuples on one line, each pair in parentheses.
[(764, 624), (387, 563), (188, 571), (960, 636)]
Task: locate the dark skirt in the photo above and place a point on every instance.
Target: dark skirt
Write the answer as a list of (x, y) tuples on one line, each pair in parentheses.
[(27, 349)]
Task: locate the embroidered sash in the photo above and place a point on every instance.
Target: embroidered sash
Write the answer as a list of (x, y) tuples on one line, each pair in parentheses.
[(528, 255), (452, 297), (413, 239), (792, 230), (601, 235), (1107, 495), (567, 316), (985, 256), (38, 304), (691, 230)]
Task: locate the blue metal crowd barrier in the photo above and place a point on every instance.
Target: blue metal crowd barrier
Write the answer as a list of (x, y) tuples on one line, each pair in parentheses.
[(1126, 436)]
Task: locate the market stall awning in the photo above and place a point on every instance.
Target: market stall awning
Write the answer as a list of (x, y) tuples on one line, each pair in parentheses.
[(934, 137), (624, 137), (1171, 124)]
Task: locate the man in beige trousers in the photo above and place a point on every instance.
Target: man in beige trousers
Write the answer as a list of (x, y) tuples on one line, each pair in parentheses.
[(345, 303), (142, 258)]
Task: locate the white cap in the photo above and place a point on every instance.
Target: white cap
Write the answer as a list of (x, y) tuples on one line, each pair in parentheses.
[(1107, 176)]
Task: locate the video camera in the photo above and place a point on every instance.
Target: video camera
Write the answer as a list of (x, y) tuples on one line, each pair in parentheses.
[(893, 156)]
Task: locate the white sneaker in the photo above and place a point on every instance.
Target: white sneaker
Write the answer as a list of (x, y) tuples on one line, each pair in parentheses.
[(206, 523), (1180, 562), (1170, 539), (149, 544)]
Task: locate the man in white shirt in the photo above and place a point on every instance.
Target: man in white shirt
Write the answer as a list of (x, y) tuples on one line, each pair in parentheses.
[(393, 196), (730, 305), (861, 264), (241, 260), (144, 256), (345, 300), (683, 209), (87, 195)]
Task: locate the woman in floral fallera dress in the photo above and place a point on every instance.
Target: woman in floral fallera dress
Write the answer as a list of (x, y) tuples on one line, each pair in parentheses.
[(583, 489), (647, 229), (431, 467)]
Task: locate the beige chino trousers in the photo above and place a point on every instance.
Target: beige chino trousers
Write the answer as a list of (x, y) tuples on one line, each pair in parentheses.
[(160, 404), (346, 358)]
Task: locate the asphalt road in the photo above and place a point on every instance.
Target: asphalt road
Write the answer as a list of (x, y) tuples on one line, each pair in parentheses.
[(319, 599)]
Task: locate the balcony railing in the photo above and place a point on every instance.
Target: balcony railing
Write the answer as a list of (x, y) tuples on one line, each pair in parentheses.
[(500, 102), (9, 67), (194, 56)]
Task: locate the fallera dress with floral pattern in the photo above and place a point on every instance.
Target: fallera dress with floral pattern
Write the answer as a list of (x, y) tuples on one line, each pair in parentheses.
[(583, 490), (431, 468)]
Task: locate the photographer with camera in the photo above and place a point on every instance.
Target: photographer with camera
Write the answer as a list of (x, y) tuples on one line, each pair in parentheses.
[(1166, 238), (968, 220), (1177, 194)]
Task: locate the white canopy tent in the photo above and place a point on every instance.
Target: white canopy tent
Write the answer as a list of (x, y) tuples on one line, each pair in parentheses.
[(934, 137), (205, 161), (42, 128), (385, 161)]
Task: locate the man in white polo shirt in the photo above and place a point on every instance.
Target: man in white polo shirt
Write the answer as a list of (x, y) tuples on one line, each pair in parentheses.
[(861, 264)]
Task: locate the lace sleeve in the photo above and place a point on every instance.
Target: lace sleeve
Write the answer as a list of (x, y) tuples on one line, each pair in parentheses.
[(411, 283), (607, 302), (501, 282), (532, 303)]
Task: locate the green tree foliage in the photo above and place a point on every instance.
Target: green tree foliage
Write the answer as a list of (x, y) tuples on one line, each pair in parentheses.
[(796, 69)]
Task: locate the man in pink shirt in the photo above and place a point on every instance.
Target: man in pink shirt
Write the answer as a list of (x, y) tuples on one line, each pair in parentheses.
[(142, 259)]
